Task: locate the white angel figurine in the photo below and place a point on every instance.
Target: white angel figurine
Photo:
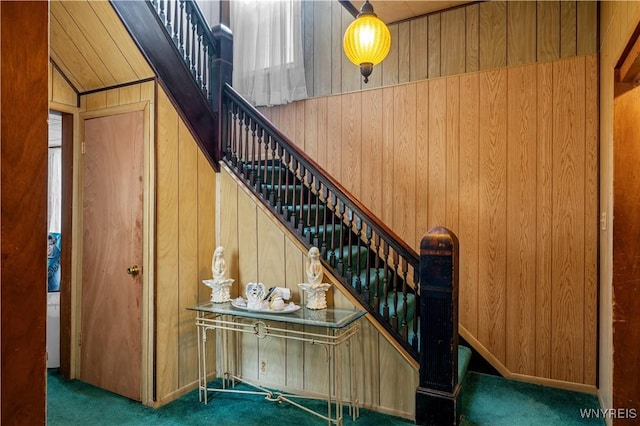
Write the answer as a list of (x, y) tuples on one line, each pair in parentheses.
[(220, 286), (314, 287)]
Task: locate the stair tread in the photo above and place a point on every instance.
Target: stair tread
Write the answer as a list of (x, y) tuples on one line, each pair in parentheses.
[(464, 358)]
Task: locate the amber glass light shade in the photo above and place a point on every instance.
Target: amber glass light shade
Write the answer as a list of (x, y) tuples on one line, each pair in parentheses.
[(367, 41)]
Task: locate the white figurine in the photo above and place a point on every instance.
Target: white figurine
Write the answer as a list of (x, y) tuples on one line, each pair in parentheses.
[(314, 287), (220, 286)]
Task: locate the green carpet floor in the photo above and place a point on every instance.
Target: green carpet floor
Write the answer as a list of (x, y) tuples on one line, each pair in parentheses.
[(487, 400)]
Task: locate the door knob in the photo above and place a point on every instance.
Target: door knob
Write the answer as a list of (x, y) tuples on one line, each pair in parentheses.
[(133, 270)]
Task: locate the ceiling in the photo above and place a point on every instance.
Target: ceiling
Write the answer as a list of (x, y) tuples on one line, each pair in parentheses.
[(91, 47), (397, 10)]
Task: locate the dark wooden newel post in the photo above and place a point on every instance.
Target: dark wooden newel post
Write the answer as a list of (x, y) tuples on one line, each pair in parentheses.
[(438, 395), (221, 72)]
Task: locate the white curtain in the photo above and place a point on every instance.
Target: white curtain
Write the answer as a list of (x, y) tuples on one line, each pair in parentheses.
[(268, 64), (55, 188)]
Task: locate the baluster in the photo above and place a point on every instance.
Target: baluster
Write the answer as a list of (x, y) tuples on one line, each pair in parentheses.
[(376, 280), (340, 266), (208, 50), (287, 170), (161, 14), (262, 168), (349, 272), (405, 306), (323, 247), (199, 57), (181, 30), (334, 208), (234, 136), (176, 26), (367, 278), (385, 282), (316, 219), (416, 309), (299, 225), (245, 150), (240, 139), (168, 24), (277, 200), (187, 45), (193, 29), (394, 318), (252, 169), (358, 283)]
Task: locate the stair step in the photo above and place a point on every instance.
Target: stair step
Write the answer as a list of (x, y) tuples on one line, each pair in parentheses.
[(259, 170), (286, 192), (306, 211), (320, 233), (464, 358), (374, 289), (411, 303), (356, 254)]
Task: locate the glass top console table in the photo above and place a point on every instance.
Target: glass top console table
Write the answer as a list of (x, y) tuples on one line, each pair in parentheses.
[(339, 327)]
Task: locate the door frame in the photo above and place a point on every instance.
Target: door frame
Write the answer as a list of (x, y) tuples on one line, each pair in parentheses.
[(148, 248)]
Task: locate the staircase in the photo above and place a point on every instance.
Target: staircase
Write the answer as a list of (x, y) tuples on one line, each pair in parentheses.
[(371, 262)]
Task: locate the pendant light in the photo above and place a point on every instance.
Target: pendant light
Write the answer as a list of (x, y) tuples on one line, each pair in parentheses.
[(367, 40)]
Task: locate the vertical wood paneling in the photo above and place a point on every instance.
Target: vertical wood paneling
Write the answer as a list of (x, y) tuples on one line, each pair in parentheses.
[(371, 154), (61, 91), (568, 30), (404, 166), (492, 206), (247, 272), (422, 160), (418, 46), (389, 66), (493, 35), (294, 274), (568, 219), (521, 220), (544, 201), (505, 190), (322, 48), (311, 128), (299, 124), (404, 51), (393, 392), (548, 46), (351, 142), (587, 24), (334, 137), (453, 154), (188, 251), (591, 222), (453, 25), (434, 45), (521, 32), (167, 249), (389, 151), (469, 200), (472, 52), (437, 175), (323, 131), (271, 270)]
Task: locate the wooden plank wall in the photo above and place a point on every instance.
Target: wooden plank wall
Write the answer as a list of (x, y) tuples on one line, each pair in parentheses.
[(259, 249), (185, 241), (478, 36), (507, 159)]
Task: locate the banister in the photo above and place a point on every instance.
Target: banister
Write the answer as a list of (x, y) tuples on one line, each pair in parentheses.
[(384, 231)]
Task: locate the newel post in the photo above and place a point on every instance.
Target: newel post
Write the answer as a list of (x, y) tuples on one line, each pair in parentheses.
[(221, 73), (438, 394)]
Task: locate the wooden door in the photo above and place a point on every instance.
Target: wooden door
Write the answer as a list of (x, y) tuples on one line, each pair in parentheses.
[(111, 339)]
